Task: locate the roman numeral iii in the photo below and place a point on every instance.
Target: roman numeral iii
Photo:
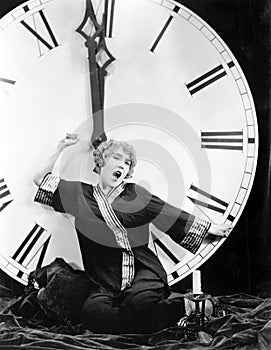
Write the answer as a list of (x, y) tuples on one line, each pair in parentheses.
[(219, 140)]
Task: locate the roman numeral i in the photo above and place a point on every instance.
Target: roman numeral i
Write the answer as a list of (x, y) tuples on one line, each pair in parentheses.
[(164, 29)]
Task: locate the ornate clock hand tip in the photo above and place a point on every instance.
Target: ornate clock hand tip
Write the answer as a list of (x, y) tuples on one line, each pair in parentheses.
[(96, 141)]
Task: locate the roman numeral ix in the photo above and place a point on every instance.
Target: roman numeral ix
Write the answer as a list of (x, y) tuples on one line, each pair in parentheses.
[(5, 195)]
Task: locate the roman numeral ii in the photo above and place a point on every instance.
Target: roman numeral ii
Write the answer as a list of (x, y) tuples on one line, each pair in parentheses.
[(207, 78)]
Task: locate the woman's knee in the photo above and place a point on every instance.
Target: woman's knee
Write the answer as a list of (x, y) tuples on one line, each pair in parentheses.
[(99, 314), (136, 303)]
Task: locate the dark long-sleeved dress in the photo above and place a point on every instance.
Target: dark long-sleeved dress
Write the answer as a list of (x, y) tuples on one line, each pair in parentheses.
[(136, 208)]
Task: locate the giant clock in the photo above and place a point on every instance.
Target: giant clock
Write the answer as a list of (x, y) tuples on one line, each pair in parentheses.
[(149, 72)]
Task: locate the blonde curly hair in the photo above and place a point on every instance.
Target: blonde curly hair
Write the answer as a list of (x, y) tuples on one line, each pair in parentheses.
[(107, 148)]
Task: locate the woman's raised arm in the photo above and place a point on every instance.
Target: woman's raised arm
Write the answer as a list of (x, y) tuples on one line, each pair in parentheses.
[(48, 165)]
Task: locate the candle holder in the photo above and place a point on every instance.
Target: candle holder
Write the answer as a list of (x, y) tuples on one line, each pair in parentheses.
[(196, 321)]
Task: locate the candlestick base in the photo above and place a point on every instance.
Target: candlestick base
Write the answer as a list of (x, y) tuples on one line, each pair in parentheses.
[(196, 321)]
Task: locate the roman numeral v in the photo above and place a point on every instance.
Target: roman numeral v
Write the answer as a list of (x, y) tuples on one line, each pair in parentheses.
[(159, 244)]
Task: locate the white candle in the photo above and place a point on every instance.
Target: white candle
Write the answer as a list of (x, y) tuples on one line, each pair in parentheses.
[(196, 282)]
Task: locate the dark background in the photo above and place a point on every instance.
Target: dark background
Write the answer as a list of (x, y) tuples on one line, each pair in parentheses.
[(243, 263)]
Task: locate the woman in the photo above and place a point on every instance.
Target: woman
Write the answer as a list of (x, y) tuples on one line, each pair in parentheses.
[(112, 224)]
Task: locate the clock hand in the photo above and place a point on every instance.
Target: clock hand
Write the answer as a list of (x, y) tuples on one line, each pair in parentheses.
[(96, 44)]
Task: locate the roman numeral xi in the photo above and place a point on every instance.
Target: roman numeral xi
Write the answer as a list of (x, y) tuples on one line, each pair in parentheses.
[(44, 30)]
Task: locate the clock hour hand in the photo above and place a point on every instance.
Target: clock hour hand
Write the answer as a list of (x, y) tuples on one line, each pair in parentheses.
[(96, 45)]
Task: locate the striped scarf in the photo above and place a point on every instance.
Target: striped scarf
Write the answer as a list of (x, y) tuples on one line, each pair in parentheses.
[(103, 201)]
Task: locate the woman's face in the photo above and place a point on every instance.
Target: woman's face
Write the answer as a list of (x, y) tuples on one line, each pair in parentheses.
[(115, 169)]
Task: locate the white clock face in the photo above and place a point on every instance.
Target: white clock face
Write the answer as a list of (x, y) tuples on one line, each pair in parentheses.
[(175, 91)]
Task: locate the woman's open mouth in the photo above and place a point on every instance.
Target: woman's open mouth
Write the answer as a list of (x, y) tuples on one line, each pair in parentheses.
[(117, 174)]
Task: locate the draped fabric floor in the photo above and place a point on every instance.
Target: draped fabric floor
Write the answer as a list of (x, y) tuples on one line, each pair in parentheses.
[(247, 326)]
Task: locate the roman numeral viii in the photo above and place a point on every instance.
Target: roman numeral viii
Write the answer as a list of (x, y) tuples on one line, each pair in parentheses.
[(227, 140), (207, 78), (41, 29), (34, 245), (5, 195)]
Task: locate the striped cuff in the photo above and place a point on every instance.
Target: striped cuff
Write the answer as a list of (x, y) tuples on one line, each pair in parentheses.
[(47, 189), (193, 239)]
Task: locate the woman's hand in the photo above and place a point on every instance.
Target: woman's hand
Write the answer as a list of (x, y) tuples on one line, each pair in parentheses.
[(69, 140), (221, 230), (48, 165)]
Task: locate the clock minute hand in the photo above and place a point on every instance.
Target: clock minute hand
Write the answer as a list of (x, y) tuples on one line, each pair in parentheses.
[(96, 44)]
